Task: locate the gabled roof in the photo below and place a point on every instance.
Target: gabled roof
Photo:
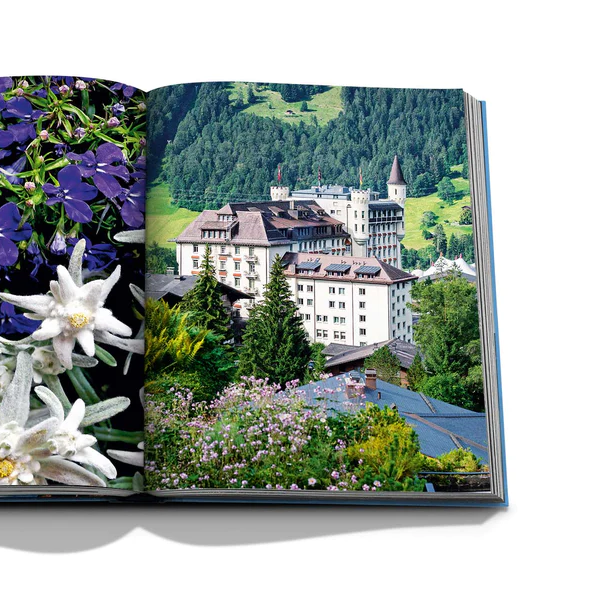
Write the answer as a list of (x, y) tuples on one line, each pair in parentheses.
[(396, 176)]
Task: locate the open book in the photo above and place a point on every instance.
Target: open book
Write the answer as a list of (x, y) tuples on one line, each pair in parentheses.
[(246, 292)]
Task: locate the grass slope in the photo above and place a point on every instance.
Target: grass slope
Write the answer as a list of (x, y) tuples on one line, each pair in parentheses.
[(415, 207), (163, 220), (325, 106)]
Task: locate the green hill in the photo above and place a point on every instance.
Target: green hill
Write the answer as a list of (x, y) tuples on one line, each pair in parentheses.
[(415, 207), (324, 106), (163, 219)]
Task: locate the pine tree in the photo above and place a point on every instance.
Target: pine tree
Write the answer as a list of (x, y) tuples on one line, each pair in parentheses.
[(416, 373), (440, 240), (275, 344), (205, 303), (386, 364)]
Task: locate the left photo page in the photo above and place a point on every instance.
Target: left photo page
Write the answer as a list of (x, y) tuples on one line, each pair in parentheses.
[(72, 204)]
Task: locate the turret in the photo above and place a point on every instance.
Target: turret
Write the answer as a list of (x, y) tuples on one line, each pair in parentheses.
[(396, 184), (280, 192), (358, 222)]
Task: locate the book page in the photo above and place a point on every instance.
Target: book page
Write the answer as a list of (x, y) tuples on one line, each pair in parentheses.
[(312, 320), (72, 203)]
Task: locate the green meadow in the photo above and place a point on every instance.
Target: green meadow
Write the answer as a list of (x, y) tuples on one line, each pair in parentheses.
[(325, 106), (163, 219), (415, 207)]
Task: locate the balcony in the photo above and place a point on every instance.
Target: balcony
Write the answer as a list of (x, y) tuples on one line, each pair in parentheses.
[(251, 258), (251, 291), (251, 274)]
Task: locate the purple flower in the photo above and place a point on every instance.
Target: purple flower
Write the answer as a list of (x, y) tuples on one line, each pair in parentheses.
[(21, 108), (10, 232), (79, 132), (36, 258), (22, 132), (10, 322), (80, 85), (12, 171), (101, 168), (6, 83), (134, 204), (73, 193), (58, 245), (61, 149), (113, 122), (128, 91), (117, 109)]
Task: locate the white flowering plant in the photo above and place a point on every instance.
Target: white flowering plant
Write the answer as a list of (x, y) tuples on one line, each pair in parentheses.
[(46, 437)]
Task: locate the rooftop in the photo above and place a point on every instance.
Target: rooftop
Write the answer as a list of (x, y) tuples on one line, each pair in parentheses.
[(323, 266), (441, 427)]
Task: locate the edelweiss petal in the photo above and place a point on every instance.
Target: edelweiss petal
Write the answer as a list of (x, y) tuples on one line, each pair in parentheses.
[(74, 311)]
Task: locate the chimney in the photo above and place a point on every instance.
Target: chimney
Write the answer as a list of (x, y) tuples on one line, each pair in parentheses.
[(170, 270), (371, 379)]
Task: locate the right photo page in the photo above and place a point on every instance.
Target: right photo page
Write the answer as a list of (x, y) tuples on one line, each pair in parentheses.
[(312, 318)]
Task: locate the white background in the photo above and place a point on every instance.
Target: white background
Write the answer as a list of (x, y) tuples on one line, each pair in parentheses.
[(536, 64)]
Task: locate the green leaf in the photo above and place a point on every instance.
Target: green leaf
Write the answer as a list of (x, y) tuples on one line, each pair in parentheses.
[(82, 386), (108, 434), (106, 357), (104, 410)]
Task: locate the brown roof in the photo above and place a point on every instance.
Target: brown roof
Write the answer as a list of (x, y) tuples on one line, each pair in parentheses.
[(396, 176), (387, 274)]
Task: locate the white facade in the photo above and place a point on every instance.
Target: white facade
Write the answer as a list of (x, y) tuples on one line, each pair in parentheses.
[(354, 313)]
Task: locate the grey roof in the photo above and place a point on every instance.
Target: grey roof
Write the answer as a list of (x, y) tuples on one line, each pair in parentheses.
[(368, 269), (342, 354), (441, 427), (383, 205), (396, 176), (338, 268), (310, 264), (158, 286)]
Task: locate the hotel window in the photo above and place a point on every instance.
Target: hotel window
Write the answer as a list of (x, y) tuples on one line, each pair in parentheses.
[(251, 251), (336, 319), (223, 279), (393, 293), (336, 335), (325, 334), (362, 332), (236, 281), (342, 291), (195, 263), (342, 335), (222, 265), (237, 265), (300, 288), (362, 305), (223, 250), (331, 304), (252, 267), (362, 291), (363, 344), (362, 318), (319, 318), (319, 333), (309, 288), (300, 301), (408, 329), (342, 320), (307, 316), (403, 311), (195, 248), (403, 297), (309, 302), (332, 290), (325, 318), (342, 305), (236, 250), (403, 324)]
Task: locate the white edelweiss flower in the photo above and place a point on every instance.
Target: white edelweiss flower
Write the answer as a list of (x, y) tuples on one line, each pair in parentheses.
[(45, 362), (74, 311), (130, 458), (28, 456)]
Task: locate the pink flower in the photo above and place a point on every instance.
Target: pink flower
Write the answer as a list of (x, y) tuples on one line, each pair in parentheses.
[(312, 481)]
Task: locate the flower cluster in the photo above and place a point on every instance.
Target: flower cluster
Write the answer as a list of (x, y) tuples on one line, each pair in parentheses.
[(72, 182), (257, 436)]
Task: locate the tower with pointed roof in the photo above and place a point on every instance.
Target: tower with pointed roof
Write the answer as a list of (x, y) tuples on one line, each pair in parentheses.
[(396, 184)]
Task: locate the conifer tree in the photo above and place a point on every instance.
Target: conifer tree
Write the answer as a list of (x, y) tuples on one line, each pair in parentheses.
[(416, 373), (386, 364), (205, 303), (275, 343)]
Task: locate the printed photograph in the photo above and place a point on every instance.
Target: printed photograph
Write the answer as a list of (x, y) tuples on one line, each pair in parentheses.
[(72, 203), (311, 291)]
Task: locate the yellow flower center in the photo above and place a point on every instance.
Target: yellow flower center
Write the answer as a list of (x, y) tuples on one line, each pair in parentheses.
[(6, 468), (78, 320)]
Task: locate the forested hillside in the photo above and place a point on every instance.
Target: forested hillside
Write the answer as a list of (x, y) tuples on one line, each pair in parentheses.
[(219, 153)]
